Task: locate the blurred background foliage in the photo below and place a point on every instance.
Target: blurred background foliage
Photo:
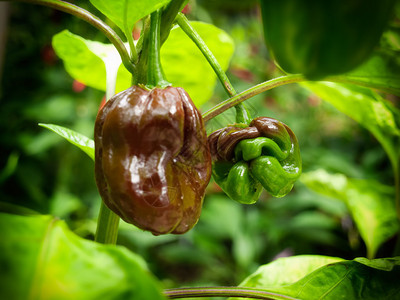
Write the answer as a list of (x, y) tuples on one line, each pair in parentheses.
[(42, 172)]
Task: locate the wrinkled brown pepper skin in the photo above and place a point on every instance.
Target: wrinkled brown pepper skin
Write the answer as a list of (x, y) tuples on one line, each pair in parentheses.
[(152, 161), (223, 141)]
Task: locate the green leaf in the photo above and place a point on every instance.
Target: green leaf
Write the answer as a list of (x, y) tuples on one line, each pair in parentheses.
[(185, 66), (42, 259), (87, 61), (370, 203), (288, 270), (125, 13), (75, 138), (381, 71), (326, 278), (365, 107)]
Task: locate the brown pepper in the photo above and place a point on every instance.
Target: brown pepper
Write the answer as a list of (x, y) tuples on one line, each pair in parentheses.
[(152, 161)]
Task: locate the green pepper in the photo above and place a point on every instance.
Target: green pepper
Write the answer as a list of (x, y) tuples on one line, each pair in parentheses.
[(152, 161), (319, 38), (264, 155)]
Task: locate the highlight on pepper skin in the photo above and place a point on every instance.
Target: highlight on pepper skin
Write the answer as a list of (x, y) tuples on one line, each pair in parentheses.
[(152, 161)]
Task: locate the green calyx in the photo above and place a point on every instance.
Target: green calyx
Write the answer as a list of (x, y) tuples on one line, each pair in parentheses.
[(271, 161)]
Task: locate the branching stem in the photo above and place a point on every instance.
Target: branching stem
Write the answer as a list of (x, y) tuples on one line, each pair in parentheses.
[(251, 92), (168, 18), (242, 115)]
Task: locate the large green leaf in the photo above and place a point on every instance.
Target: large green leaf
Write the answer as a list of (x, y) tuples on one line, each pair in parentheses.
[(87, 61), (329, 278), (284, 271), (381, 71), (75, 138), (41, 259), (370, 203), (185, 66), (367, 108), (125, 13)]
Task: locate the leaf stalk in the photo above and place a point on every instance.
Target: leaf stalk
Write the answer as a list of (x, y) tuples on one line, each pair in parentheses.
[(224, 291)]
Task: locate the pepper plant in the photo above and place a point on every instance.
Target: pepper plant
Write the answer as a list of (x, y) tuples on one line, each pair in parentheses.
[(153, 159)]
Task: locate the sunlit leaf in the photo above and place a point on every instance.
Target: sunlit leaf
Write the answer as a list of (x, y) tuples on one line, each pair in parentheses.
[(323, 278), (288, 270), (87, 61), (42, 259), (367, 108), (185, 66), (75, 138), (370, 203), (125, 13)]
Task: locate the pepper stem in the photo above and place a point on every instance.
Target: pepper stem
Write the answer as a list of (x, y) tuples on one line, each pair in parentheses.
[(155, 73), (224, 291), (168, 17), (251, 92), (107, 226), (242, 115)]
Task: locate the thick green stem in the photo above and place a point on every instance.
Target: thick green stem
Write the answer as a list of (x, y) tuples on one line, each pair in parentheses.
[(168, 17), (107, 226), (223, 292), (251, 92), (92, 20), (242, 115), (108, 221), (154, 73)]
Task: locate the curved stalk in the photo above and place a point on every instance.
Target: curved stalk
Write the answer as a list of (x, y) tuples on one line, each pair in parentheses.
[(168, 17), (223, 292), (242, 115), (184, 24), (83, 14), (251, 92)]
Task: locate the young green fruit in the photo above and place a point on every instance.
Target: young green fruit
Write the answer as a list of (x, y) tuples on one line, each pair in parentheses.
[(264, 155)]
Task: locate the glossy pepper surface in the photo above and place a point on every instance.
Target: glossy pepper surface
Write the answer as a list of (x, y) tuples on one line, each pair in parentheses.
[(319, 38), (152, 161), (265, 154)]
